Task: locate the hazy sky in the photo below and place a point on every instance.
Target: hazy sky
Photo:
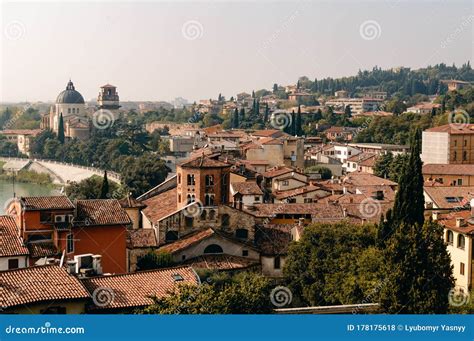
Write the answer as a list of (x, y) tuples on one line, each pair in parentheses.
[(160, 50)]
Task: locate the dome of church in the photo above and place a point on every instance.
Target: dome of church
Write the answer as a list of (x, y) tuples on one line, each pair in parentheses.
[(70, 95)]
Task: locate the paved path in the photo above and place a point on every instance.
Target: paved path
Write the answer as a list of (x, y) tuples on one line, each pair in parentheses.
[(61, 173)]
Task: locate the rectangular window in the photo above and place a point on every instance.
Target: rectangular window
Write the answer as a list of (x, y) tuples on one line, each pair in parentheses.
[(286, 182), (70, 243), (13, 264), (245, 253), (277, 262), (459, 182), (461, 268)]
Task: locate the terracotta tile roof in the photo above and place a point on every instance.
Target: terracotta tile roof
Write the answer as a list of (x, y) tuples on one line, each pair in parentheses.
[(269, 140), (459, 196), (187, 241), (38, 250), (141, 238), (220, 262), (101, 212), (365, 179), (453, 129), (204, 162), (32, 132), (161, 205), (273, 239), (129, 202), (137, 289), (39, 284), (361, 157), (246, 188), (46, 203), (267, 133), (448, 220), (448, 169), (10, 242), (299, 191), (321, 211), (271, 173)]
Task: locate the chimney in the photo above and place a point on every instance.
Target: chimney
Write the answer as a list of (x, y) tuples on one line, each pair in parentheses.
[(71, 266), (97, 264), (301, 222), (459, 222), (344, 212), (434, 216)]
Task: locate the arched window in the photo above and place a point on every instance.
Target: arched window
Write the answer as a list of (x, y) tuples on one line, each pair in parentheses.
[(461, 241), (225, 221), (242, 233), (209, 180), (203, 215), (213, 248), (171, 236), (188, 199), (212, 215), (449, 237), (209, 200)]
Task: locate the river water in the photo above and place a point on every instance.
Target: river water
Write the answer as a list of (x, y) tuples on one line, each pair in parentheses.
[(22, 189)]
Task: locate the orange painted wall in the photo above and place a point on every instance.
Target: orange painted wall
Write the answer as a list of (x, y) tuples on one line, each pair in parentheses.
[(108, 241)]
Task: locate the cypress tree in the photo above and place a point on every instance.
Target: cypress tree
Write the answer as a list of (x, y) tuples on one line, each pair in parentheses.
[(417, 266), (299, 129), (61, 129), (409, 201), (104, 190), (265, 117), (235, 119), (242, 116)]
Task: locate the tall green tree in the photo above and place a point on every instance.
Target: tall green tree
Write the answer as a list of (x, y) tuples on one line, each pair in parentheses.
[(104, 189), (298, 123), (409, 201), (235, 119), (61, 129)]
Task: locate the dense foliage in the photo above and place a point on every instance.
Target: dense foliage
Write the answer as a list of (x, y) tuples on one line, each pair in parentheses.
[(244, 293), (153, 260), (334, 264)]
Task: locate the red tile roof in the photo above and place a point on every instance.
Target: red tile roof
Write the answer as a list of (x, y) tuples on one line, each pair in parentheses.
[(46, 203), (448, 169), (268, 133), (160, 205), (187, 241), (299, 191), (273, 240), (271, 173), (448, 220), (32, 132), (439, 195), (39, 284), (130, 202), (141, 238), (10, 242), (220, 262), (137, 289), (101, 212), (204, 162), (38, 250), (453, 129), (246, 188), (365, 179)]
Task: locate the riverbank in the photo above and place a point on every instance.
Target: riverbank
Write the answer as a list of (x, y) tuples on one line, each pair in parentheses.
[(25, 176)]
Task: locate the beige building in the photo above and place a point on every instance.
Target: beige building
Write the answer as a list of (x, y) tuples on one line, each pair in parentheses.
[(449, 143), (458, 234), (358, 105), (449, 175), (21, 137)]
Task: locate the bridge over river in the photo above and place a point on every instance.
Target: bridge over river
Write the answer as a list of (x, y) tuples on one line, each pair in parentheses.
[(61, 172)]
